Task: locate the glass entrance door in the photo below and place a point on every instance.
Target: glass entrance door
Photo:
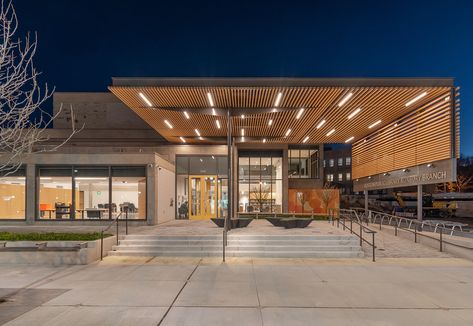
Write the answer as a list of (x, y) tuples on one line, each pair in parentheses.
[(203, 197)]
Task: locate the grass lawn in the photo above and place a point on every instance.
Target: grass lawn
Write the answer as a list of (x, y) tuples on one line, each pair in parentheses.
[(51, 236)]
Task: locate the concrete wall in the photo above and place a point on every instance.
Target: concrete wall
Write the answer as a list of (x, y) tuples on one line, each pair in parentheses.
[(166, 200)]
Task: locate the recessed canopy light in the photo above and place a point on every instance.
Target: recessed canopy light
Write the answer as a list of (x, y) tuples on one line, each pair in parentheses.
[(145, 99), (321, 123), (200, 138), (270, 122), (354, 113), (168, 124), (218, 124), (182, 139), (278, 99), (374, 124), (242, 139), (211, 101), (213, 112), (345, 99), (288, 132), (197, 132), (243, 116), (213, 157), (299, 114), (305, 139), (447, 98), (395, 125), (264, 140), (415, 99), (274, 110), (330, 132), (386, 174), (187, 115), (349, 139), (243, 132), (430, 165)]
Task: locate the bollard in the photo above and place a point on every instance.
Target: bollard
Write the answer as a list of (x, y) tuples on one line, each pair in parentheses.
[(351, 226), (101, 245), (395, 229), (415, 234)]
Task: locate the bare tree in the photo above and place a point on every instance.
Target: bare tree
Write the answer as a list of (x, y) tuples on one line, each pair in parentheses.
[(327, 195), (22, 119)]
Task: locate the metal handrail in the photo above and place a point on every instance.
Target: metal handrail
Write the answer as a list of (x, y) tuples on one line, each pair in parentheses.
[(108, 227), (341, 215), (259, 215), (371, 217)]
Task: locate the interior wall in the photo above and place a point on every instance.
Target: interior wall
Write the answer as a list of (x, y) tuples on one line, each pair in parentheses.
[(12, 201)]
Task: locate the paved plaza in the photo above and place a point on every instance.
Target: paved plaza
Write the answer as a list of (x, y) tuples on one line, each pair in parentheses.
[(159, 291)]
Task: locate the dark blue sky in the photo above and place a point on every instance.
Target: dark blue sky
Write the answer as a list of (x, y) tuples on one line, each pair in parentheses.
[(82, 44)]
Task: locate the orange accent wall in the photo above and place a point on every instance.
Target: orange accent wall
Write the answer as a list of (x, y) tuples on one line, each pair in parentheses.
[(311, 200)]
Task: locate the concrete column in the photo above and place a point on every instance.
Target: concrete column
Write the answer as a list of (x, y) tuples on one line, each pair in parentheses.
[(151, 195), (366, 199), (31, 208), (419, 202)]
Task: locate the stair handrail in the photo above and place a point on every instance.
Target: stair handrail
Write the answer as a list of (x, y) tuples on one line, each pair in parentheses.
[(342, 215), (417, 230), (115, 220)]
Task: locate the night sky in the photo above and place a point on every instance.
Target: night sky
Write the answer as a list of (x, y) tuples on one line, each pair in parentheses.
[(82, 44)]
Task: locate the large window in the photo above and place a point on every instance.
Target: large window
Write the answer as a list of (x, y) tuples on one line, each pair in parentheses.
[(303, 163), (92, 192), (201, 187), (260, 182), (12, 195)]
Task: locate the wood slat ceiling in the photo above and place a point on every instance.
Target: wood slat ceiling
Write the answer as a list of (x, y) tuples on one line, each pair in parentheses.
[(423, 136), (376, 103)]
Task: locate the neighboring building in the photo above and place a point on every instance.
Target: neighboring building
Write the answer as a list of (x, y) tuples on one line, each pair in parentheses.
[(337, 168), (158, 146)]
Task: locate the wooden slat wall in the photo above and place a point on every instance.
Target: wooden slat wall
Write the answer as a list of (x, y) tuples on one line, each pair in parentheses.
[(420, 137), (376, 103)]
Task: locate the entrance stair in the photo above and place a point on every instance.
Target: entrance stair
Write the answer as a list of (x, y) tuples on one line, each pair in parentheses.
[(238, 245)]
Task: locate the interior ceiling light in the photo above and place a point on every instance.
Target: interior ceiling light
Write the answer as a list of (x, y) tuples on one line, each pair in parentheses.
[(197, 132), (264, 140), (218, 124), (375, 124), (270, 122), (330, 132), (145, 99), (345, 99), (288, 132), (168, 124), (305, 139), (213, 112), (182, 139), (321, 123), (349, 139), (278, 99), (187, 115), (243, 116), (354, 113), (299, 114), (243, 132), (415, 99), (211, 101)]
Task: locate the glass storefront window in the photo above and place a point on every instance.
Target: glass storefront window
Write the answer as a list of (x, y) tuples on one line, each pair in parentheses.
[(303, 163), (259, 176), (128, 192), (92, 185), (55, 193), (201, 187), (12, 195), (90, 197)]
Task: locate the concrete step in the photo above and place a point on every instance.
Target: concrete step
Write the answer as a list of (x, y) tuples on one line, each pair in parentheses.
[(238, 237), (289, 242), (247, 248), (260, 254)]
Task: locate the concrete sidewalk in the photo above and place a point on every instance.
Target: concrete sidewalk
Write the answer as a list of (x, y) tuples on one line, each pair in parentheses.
[(152, 291)]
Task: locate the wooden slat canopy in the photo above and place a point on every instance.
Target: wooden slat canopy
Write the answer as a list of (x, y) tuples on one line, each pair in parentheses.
[(320, 101)]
